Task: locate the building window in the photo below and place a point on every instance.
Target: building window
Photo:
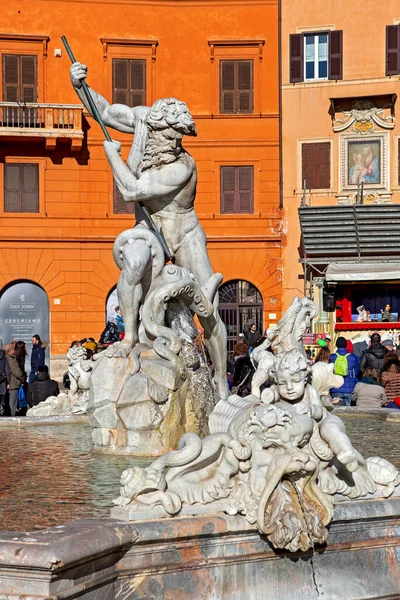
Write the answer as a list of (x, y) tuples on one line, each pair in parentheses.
[(393, 50), (20, 78), (316, 56), (21, 187), (398, 161), (236, 86), (316, 165), (129, 81), (237, 190), (120, 207), (239, 303)]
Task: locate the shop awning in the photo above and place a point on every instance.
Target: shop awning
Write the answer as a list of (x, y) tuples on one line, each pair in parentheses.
[(362, 271)]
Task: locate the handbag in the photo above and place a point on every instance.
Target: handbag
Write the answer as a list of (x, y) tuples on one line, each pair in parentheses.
[(22, 403)]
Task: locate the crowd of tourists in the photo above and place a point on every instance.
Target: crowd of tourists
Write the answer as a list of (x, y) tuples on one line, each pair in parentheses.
[(19, 389), (371, 372)]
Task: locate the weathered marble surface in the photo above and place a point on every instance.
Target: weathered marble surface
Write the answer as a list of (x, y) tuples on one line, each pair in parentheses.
[(213, 557), (63, 405), (277, 456), (155, 384)]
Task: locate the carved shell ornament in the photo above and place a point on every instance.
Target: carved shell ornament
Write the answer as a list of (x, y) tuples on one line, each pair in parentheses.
[(363, 118)]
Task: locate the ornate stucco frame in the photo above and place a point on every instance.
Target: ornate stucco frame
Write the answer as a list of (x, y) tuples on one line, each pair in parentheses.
[(382, 189)]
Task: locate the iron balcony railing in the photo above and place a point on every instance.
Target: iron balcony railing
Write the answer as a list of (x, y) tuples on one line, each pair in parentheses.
[(34, 119)]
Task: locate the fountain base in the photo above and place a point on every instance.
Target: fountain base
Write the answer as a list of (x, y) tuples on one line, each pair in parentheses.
[(210, 557)]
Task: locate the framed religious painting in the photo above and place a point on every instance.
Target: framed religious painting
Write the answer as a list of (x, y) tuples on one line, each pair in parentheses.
[(364, 162)]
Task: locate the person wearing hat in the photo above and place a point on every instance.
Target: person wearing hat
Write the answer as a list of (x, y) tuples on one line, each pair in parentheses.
[(328, 339), (346, 364)]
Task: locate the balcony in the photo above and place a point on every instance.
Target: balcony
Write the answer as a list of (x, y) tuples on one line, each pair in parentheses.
[(49, 121)]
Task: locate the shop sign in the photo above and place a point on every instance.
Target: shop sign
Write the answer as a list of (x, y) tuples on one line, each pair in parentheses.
[(24, 311)]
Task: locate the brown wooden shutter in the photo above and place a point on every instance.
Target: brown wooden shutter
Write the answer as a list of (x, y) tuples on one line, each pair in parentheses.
[(28, 78), (21, 188), (296, 43), (245, 176), (10, 77), (227, 86), (392, 49), (335, 63), (237, 195), (120, 207), (309, 161), (19, 78), (245, 85), (138, 82), (323, 165), (398, 161), (227, 190), (12, 188), (316, 167), (120, 81), (29, 188)]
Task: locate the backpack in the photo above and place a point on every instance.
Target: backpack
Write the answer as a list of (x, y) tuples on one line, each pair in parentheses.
[(341, 365), (110, 334)]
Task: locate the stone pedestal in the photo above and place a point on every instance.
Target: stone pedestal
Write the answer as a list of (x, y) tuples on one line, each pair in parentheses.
[(144, 410)]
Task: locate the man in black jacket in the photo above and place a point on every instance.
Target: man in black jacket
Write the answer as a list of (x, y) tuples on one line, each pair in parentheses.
[(374, 356), (42, 387)]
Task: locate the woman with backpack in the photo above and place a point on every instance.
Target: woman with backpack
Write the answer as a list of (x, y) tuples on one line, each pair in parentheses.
[(346, 365)]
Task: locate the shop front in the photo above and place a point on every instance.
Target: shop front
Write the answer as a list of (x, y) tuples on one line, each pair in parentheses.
[(351, 261)]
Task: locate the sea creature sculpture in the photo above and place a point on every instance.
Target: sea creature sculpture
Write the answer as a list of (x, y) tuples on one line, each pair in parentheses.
[(279, 462)]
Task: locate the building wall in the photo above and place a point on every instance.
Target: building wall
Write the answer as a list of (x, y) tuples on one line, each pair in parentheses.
[(306, 106), (67, 247)]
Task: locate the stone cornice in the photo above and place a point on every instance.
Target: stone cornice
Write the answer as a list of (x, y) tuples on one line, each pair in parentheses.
[(19, 37)]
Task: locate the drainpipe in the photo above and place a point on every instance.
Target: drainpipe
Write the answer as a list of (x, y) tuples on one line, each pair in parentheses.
[(280, 103)]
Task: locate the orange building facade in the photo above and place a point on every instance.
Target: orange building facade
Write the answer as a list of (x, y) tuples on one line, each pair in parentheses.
[(59, 212), (341, 152)]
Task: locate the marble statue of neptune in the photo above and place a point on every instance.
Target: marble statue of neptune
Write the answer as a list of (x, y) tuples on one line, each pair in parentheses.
[(161, 176)]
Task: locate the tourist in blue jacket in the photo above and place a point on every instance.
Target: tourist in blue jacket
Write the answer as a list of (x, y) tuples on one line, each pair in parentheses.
[(37, 356), (350, 364)]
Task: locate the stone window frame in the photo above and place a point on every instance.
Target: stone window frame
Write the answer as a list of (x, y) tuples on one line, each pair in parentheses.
[(236, 50), (256, 164), (37, 45), (385, 161), (320, 191), (41, 162)]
